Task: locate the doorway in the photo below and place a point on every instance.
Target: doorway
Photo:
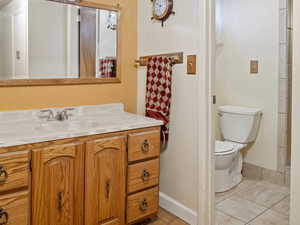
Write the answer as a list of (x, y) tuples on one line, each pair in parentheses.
[(253, 57)]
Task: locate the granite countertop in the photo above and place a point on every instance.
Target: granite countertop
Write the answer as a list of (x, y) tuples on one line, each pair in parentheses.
[(26, 127)]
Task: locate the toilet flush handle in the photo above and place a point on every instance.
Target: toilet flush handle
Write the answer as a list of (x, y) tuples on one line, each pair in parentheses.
[(220, 114)]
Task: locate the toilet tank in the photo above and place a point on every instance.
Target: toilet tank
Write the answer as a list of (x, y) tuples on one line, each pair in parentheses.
[(239, 124)]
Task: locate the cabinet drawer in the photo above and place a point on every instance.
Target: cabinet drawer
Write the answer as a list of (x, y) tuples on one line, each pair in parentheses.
[(143, 145), (14, 170), (142, 204), (143, 175), (14, 209)]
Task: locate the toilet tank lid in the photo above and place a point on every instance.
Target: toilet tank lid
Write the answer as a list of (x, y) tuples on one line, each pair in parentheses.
[(240, 110)]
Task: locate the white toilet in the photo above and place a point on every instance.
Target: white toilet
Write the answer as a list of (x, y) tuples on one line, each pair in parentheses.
[(239, 127)]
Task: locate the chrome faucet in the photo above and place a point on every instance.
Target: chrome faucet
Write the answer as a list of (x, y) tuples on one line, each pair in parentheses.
[(63, 115), (49, 116), (60, 116)]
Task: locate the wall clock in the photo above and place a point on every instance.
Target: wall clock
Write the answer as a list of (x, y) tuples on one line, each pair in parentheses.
[(161, 10)]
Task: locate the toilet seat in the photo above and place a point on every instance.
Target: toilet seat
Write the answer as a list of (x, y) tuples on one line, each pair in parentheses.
[(224, 148)]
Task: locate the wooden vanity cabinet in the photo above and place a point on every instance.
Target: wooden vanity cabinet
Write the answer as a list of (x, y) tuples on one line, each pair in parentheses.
[(105, 178), (58, 185), (14, 188), (108, 179)]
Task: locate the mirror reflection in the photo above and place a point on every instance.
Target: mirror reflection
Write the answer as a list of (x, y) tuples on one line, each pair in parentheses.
[(42, 39)]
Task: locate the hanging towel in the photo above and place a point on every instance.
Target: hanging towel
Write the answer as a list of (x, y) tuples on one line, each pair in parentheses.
[(158, 93), (107, 67)]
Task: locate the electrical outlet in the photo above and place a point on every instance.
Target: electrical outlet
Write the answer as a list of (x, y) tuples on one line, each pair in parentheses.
[(254, 66)]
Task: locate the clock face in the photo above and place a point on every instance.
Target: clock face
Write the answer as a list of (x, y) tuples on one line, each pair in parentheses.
[(160, 8)]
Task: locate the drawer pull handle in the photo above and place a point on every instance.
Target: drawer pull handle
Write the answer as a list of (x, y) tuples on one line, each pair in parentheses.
[(145, 146), (3, 217), (3, 175), (144, 205), (145, 175)]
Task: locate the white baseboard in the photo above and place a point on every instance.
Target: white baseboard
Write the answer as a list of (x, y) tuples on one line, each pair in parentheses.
[(178, 209)]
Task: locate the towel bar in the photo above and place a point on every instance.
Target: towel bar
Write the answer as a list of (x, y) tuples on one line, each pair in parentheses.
[(177, 58)]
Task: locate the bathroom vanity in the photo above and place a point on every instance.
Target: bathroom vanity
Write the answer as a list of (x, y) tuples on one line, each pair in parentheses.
[(101, 166)]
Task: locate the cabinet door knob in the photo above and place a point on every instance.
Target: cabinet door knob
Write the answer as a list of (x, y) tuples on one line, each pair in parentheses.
[(3, 174), (145, 175), (144, 205), (145, 146), (3, 217)]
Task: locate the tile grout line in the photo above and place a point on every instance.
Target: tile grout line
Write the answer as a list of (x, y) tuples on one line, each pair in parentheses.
[(231, 216), (236, 192), (248, 223), (267, 208), (259, 204)]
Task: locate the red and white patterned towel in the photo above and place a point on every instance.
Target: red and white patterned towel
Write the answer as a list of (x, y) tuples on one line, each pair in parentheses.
[(107, 67), (158, 94)]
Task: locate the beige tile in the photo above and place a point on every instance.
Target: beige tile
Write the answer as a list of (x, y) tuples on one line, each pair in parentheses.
[(280, 188), (281, 159), (246, 184), (288, 176), (283, 207), (273, 176), (224, 195), (241, 209), (252, 172), (264, 194), (283, 4), (271, 218), (223, 219), (282, 130)]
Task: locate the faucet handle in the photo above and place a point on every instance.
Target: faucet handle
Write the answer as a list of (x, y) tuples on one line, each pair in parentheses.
[(50, 115), (65, 113)]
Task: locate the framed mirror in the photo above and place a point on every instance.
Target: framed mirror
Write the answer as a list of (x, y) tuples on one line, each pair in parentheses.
[(46, 42)]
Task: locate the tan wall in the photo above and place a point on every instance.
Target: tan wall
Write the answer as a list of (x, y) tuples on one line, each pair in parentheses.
[(17, 98), (295, 181)]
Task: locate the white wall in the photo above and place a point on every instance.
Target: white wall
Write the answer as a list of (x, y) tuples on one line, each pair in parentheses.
[(7, 35), (47, 39), (107, 37), (53, 40), (5, 47), (251, 31), (49, 56), (295, 181), (180, 33)]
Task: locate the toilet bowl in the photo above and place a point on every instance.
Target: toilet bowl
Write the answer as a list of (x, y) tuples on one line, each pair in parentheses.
[(239, 127), (228, 161)]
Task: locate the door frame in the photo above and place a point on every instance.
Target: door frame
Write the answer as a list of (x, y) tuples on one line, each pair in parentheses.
[(13, 47), (206, 108)]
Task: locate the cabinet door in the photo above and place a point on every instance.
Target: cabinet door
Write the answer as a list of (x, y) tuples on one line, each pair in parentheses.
[(58, 185), (105, 182)]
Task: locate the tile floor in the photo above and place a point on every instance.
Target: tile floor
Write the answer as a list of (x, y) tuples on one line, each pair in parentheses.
[(250, 203), (253, 203)]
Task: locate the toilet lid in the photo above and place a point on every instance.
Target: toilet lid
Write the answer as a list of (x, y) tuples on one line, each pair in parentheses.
[(222, 147)]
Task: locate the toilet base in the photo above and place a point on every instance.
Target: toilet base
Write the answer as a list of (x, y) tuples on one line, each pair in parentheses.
[(229, 178), (226, 183)]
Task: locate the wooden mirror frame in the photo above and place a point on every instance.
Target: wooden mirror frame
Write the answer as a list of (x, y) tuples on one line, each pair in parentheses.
[(76, 81)]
